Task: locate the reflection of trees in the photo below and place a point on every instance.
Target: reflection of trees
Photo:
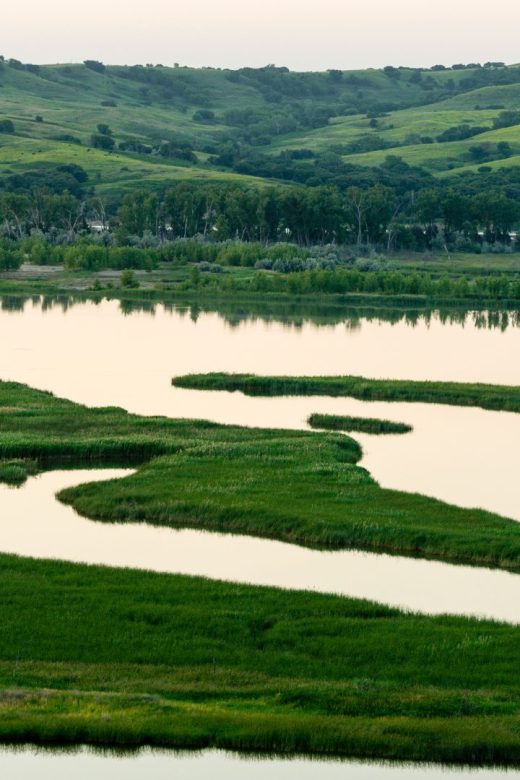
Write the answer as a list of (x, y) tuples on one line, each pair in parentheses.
[(293, 314)]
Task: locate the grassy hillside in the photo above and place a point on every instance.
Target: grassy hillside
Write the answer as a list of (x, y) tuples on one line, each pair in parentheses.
[(362, 115), (109, 172)]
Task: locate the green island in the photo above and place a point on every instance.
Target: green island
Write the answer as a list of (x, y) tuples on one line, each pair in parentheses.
[(127, 658), (493, 397), (120, 657), (338, 422), (388, 193), (202, 475)]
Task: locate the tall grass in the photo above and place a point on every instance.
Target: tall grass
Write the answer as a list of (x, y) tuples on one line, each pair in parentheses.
[(120, 657), (485, 396), (302, 487), (337, 422), (15, 472)]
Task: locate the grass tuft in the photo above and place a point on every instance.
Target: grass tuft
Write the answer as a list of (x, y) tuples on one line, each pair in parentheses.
[(336, 422)]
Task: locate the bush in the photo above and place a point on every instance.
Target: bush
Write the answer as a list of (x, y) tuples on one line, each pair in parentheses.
[(122, 257), (10, 260), (129, 279), (86, 257), (6, 126), (94, 65), (101, 141)]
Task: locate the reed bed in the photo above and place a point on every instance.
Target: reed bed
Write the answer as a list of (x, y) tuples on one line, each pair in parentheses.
[(296, 486), (494, 397), (128, 658), (337, 422)]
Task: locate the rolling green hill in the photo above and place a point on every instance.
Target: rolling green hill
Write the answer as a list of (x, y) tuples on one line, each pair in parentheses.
[(170, 124)]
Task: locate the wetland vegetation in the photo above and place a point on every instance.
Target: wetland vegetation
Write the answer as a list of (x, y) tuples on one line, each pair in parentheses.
[(280, 195), (119, 657), (338, 422), (198, 474), (494, 397)]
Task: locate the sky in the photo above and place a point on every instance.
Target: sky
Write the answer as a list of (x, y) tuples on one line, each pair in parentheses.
[(299, 34)]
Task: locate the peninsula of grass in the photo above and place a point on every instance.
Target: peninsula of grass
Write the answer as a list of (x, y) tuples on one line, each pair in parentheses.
[(337, 422), (15, 472), (115, 657), (299, 487), (494, 397)]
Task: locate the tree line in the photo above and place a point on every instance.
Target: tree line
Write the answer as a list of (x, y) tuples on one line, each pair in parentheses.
[(375, 216)]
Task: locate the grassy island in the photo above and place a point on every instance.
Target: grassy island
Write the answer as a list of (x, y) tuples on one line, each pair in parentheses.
[(494, 397), (127, 658), (338, 422), (121, 657), (202, 475)]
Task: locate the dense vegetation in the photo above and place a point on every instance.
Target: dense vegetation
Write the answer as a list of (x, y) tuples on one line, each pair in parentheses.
[(496, 397), (256, 270), (397, 158), (114, 657), (201, 475), (15, 472), (370, 214), (338, 422)]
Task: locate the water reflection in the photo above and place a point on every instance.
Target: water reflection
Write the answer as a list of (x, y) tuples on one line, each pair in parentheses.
[(91, 353), (293, 313), (83, 764), (33, 523)]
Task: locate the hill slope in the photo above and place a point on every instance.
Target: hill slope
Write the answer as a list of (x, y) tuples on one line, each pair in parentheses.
[(167, 124)]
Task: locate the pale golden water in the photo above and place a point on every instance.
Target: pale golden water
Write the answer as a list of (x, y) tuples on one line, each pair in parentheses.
[(95, 354), (32, 764), (33, 523)]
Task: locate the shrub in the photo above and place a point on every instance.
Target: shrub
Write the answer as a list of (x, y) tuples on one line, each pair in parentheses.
[(6, 126), (129, 279)]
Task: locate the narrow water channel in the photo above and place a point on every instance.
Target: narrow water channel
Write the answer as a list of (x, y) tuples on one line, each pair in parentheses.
[(34, 523), (98, 354), (32, 764)]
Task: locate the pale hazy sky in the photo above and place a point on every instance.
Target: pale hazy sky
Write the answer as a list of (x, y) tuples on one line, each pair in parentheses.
[(231, 33)]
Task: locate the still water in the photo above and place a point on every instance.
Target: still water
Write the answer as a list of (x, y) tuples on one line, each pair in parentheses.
[(33, 523), (84, 764), (98, 354)]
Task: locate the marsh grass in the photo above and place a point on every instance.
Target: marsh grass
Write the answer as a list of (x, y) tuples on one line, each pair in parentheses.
[(120, 657), (336, 422), (15, 472), (494, 397), (296, 486)]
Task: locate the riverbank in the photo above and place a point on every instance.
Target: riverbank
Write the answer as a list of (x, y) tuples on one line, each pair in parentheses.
[(493, 287), (484, 396), (201, 475), (124, 658)]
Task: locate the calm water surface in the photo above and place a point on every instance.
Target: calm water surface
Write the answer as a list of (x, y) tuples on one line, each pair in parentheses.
[(33, 523), (32, 764), (96, 354)]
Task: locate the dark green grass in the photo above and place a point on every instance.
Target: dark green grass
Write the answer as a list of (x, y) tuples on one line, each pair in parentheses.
[(115, 657), (15, 472), (295, 486), (493, 397), (338, 422), (106, 656)]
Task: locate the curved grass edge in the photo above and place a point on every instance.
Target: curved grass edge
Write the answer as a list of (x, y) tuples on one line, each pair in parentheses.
[(123, 658), (337, 422), (231, 479), (486, 396), (134, 723), (16, 471)]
